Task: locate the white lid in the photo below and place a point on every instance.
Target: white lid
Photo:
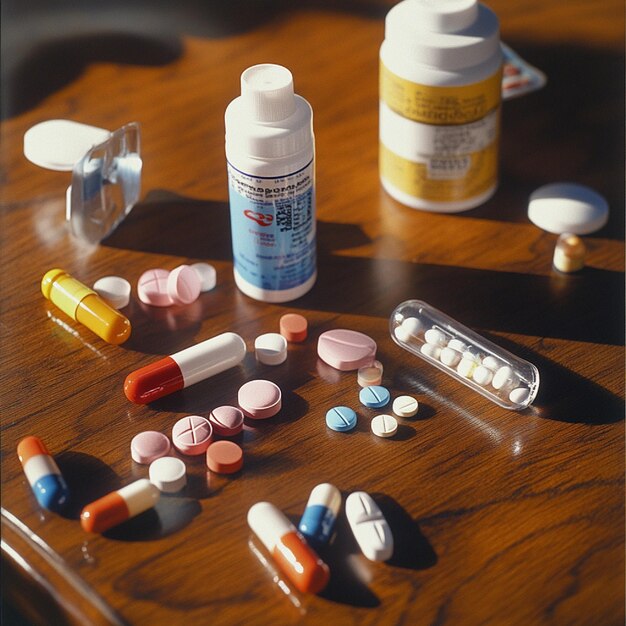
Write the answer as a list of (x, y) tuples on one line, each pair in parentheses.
[(446, 34), (267, 92), (568, 208), (60, 144)]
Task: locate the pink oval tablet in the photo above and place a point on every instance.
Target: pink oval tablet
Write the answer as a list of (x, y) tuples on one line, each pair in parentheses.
[(152, 288), (192, 435), (226, 420), (183, 285), (149, 446), (346, 349), (259, 399)]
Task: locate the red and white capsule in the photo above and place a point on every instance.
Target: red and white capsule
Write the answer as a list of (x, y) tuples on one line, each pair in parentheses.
[(288, 548), (185, 368), (43, 474), (119, 506)]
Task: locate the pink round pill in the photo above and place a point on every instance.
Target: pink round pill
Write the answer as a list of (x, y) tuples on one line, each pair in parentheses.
[(152, 288), (346, 349), (259, 399), (226, 420), (183, 285), (149, 446), (192, 435)]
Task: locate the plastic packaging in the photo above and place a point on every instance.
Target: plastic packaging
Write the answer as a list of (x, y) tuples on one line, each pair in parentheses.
[(271, 183), (440, 94), (492, 371)]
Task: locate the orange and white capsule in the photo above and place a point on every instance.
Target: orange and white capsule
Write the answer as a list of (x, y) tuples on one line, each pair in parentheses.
[(288, 548), (43, 474), (119, 506)]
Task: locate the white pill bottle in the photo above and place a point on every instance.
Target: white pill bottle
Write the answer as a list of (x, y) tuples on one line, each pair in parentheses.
[(270, 154), (440, 94)]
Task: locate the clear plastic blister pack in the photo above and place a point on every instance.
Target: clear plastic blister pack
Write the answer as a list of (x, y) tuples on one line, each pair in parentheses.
[(478, 363)]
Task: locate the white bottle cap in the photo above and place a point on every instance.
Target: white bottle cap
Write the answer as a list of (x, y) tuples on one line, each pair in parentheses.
[(445, 16), (267, 91)]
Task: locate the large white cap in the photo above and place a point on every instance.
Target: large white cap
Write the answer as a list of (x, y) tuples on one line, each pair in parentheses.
[(446, 34), (267, 91)]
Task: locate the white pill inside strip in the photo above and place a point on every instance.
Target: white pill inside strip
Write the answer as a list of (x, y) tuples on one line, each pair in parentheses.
[(491, 362), (405, 406), (270, 348), (430, 350), (114, 289), (505, 377), (519, 395), (449, 356), (435, 337), (412, 326), (384, 426), (458, 345), (482, 375), (401, 334), (369, 526), (466, 367)]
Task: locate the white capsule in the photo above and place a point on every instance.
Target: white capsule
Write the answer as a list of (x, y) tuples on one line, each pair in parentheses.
[(466, 367), (504, 377), (436, 337), (482, 375), (369, 526), (491, 362), (384, 426), (458, 345), (449, 356), (519, 395), (405, 406), (270, 349), (412, 326), (430, 350)]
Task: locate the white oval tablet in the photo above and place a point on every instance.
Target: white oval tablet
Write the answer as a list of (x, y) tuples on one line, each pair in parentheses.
[(466, 367), (114, 289), (401, 334), (519, 395), (449, 356), (504, 377), (458, 345), (412, 326), (430, 350), (168, 474), (568, 208), (491, 362), (207, 274), (435, 337), (482, 375), (384, 426), (270, 348), (369, 526), (405, 406)]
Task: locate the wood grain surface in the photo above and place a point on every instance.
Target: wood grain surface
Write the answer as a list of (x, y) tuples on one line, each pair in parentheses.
[(499, 517)]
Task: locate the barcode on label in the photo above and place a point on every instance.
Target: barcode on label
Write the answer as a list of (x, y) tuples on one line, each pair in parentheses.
[(448, 168)]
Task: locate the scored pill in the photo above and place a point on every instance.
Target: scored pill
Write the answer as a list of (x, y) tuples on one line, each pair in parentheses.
[(341, 418), (384, 426), (405, 406), (369, 526), (374, 396)]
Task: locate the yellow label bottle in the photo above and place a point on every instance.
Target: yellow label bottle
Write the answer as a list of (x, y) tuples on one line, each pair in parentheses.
[(440, 94)]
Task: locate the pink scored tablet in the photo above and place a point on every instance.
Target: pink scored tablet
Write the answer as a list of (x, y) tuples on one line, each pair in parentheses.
[(346, 350)]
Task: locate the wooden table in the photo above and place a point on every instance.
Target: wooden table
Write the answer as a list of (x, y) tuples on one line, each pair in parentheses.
[(500, 517)]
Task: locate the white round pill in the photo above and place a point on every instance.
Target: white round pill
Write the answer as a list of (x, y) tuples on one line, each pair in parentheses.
[(207, 275), (471, 356), (168, 474), (458, 345), (504, 377), (449, 356), (405, 406), (402, 335), (430, 350), (435, 337), (384, 426), (466, 367), (491, 362), (270, 348), (482, 375), (114, 289), (412, 326), (519, 395)]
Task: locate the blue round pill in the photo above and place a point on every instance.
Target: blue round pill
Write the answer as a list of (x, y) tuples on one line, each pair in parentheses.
[(374, 396), (341, 418)]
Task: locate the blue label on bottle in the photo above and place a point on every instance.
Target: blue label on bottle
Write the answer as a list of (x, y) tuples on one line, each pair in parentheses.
[(273, 227)]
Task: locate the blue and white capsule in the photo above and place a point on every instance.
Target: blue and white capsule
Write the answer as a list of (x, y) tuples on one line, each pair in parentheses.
[(320, 514), (42, 474)]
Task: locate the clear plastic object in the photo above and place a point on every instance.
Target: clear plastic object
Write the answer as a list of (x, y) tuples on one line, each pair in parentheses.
[(494, 372), (106, 183)]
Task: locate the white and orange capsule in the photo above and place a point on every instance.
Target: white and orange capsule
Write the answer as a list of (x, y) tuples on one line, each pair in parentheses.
[(42, 474), (119, 506), (288, 548)]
